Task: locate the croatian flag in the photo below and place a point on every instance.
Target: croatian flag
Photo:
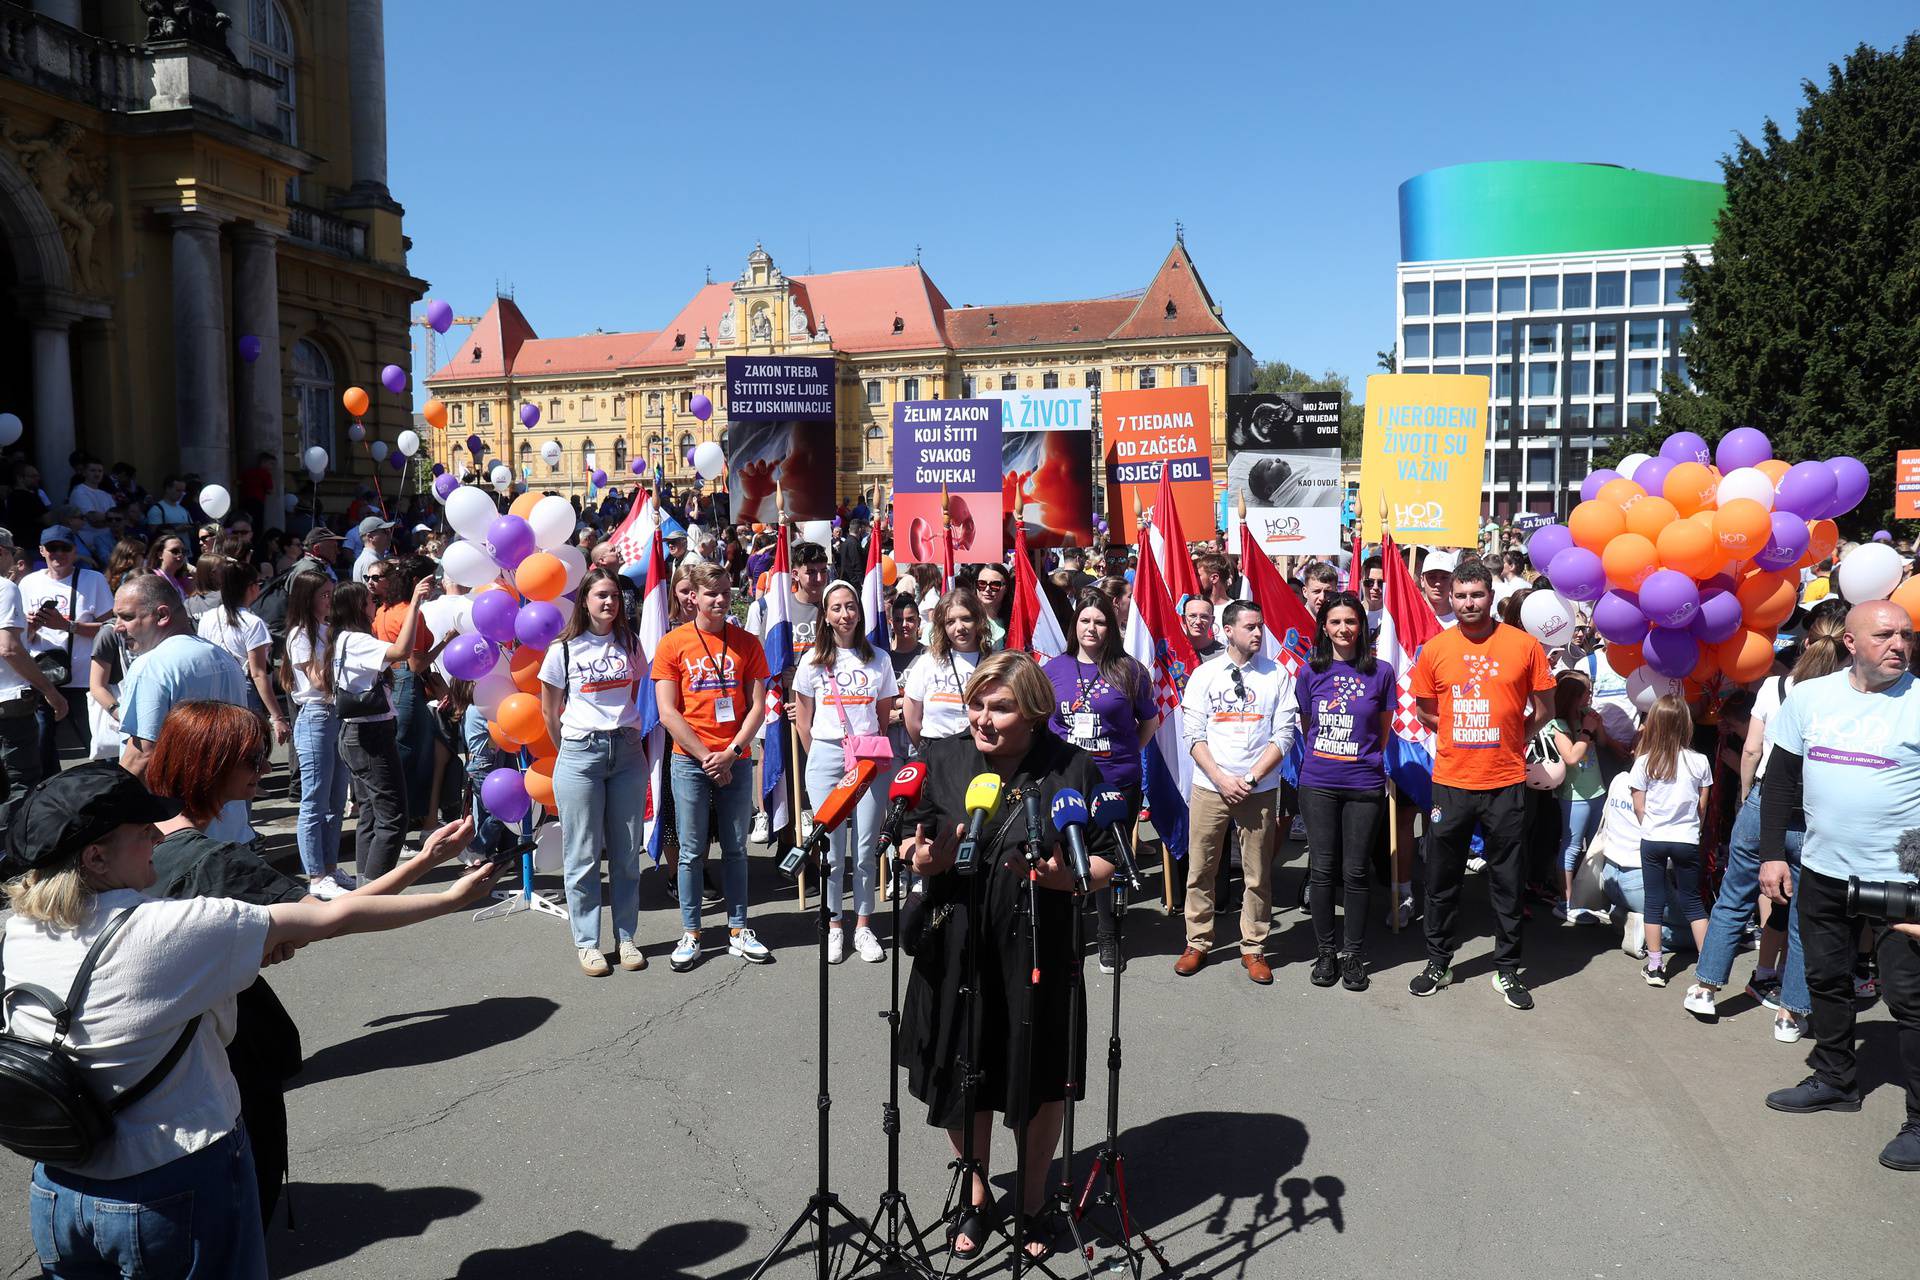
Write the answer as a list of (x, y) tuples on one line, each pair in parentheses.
[(636, 533), (1156, 642), (1406, 623), (1169, 543), (873, 596), (653, 627), (777, 639), (1032, 628), (1289, 629)]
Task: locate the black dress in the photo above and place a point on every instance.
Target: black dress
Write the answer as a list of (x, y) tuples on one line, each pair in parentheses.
[(932, 1032)]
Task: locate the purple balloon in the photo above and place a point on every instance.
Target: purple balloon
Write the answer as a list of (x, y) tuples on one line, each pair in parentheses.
[(539, 624), (1651, 475), (639, 466), (249, 348), (440, 316), (1578, 574), (1669, 598), (701, 407), (511, 538), (476, 445), (529, 415), (1850, 481), (1719, 582), (1686, 446), (394, 378), (599, 479), (1881, 535), (504, 793), (1617, 617), (444, 485), (1787, 543), (1742, 447), (397, 460), (1806, 490), (470, 656), (1670, 652), (493, 616), (1548, 541), (1718, 619), (689, 457), (1591, 486)]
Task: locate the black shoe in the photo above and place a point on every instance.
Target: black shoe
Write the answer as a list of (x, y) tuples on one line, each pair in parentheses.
[(1353, 973), (976, 1223), (1903, 1153), (1326, 968), (1430, 979), (1513, 991), (1813, 1094), (1111, 961)]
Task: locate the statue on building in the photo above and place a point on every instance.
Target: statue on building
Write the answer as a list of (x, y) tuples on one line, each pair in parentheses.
[(73, 186), (761, 325), (796, 319), (197, 21), (726, 325)]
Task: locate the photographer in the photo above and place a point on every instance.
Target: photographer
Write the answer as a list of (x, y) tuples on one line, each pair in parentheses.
[(81, 845), (1846, 751)]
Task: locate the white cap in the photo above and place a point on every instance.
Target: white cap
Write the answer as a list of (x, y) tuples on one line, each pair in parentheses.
[(1438, 561)]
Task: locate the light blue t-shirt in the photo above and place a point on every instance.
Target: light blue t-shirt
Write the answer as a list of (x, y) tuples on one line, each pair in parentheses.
[(183, 669), (1862, 774)]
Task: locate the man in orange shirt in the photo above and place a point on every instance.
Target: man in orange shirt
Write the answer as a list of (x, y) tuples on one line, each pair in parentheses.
[(1481, 687)]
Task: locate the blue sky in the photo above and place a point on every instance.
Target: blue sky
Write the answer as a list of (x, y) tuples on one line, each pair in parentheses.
[(597, 157)]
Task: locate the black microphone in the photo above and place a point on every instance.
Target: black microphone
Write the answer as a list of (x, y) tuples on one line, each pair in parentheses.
[(1907, 848), (903, 795), (983, 797), (1070, 818), (1036, 823), (1109, 810)]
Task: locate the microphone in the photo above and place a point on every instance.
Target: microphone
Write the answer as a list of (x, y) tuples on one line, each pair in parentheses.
[(1109, 810), (1030, 801), (1070, 817), (983, 797), (1907, 848), (903, 795), (833, 811)]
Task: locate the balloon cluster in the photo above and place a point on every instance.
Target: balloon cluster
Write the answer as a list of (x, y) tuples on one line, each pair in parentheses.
[(519, 567), (1690, 558)]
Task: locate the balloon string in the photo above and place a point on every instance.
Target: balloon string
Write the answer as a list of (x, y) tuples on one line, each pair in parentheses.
[(378, 489)]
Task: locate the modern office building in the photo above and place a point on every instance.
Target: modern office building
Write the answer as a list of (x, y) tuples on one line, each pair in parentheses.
[(1560, 284)]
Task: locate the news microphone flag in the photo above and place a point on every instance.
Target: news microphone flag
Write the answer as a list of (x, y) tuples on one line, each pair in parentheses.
[(1156, 642), (1032, 628), (873, 596), (777, 640), (1169, 543), (1406, 623), (653, 628)]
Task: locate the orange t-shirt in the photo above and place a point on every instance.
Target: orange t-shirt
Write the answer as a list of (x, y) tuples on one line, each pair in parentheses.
[(708, 668), (389, 618), (1483, 690)]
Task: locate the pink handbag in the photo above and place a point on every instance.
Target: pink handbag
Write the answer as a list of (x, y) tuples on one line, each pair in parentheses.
[(860, 746)]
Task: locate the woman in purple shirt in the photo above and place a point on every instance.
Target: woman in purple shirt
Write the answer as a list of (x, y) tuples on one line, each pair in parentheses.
[(1346, 701), (1103, 704)]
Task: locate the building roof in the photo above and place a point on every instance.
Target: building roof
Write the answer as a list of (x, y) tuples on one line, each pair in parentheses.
[(1175, 305), (491, 348), (860, 308), (1037, 323), (1528, 208), (586, 354)]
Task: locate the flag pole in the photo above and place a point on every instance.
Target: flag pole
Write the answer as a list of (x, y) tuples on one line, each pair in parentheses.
[(1399, 855), (789, 736)]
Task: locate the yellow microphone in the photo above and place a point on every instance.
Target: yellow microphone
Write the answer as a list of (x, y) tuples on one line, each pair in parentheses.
[(983, 797)]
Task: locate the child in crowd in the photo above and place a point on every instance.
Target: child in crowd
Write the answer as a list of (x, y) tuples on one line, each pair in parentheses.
[(1670, 783)]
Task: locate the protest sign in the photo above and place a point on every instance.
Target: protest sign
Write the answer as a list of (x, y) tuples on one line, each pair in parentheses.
[(799, 455), (780, 388), (1046, 465), (1422, 456), (950, 448), (1169, 426), (1906, 484), (1283, 457)]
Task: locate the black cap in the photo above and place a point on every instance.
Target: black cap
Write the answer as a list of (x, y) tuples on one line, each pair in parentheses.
[(66, 813)]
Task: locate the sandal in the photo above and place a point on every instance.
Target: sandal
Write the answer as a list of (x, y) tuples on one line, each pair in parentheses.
[(1039, 1232), (976, 1224)]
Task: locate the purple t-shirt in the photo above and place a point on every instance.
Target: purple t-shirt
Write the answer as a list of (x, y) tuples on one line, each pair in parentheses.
[(1080, 691), (1340, 715)]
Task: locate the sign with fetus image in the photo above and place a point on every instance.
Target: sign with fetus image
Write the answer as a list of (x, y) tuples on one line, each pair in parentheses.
[(1046, 465), (1283, 457), (947, 450), (798, 455)]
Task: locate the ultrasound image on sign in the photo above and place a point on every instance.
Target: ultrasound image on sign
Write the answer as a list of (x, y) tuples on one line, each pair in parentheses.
[(1283, 459)]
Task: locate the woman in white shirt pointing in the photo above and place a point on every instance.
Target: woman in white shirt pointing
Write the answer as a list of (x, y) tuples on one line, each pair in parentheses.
[(587, 692)]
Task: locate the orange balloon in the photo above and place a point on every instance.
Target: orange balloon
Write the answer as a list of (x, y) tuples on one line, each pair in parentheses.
[(1907, 596), (1745, 656), (1687, 546), (542, 747), (1707, 668), (1629, 560), (524, 504), (539, 780), (1625, 659), (1825, 537), (1742, 528), (499, 586), (355, 401), (1649, 516), (1765, 601), (889, 571), (1594, 524), (525, 667), (1689, 487), (520, 718), (541, 576), (1704, 518), (1622, 493), (435, 412), (1772, 469), (499, 738)]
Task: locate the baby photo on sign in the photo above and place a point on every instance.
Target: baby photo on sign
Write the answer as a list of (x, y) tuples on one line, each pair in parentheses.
[(1284, 450), (798, 455)]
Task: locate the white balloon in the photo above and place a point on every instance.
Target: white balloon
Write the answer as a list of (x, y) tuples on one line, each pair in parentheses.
[(501, 477), (293, 501), (553, 522), (493, 688), (379, 450), (1548, 618), (1745, 482), (356, 431), (1631, 463), (468, 564), (546, 848), (10, 428), (409, 443), (550, 453), (1869, 572), (470, 511), (818, 531), (576, 562), (1647, 686), (709, 460), (316, 459), (215, 501)]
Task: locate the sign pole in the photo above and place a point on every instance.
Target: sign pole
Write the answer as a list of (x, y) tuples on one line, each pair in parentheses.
[(789, 738)]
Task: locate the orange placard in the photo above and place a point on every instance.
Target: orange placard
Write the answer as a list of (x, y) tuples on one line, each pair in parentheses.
[(1144, 429), (1906, 484)]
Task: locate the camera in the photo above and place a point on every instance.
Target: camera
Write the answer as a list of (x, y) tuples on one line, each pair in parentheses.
[(1895, 901)]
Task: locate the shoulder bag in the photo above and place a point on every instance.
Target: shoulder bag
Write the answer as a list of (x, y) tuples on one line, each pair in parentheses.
[(858, 746), (369, 702)]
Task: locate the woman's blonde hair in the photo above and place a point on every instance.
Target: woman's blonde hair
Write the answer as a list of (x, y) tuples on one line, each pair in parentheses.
[(963, 599), (1032, 691), (57, 896), (1666, 735)]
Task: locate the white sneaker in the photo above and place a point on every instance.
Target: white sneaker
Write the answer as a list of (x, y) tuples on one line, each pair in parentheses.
[(868, 946), (1633, 938), (1699, 1003), (326, 888), (759, 832), (1298, 831), (806, 826), (686, 953), (1788, 1027), (593, 964), (1400, 915), (1476, 864), (742, 943), (836, 945), (344, 880)]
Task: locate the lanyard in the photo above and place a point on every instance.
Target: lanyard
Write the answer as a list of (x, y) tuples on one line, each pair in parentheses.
[(719, 671), (959, 685), (1085, 701)]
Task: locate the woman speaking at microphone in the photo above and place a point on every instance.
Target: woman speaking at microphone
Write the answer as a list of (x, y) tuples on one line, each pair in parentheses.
[(1007, 703)]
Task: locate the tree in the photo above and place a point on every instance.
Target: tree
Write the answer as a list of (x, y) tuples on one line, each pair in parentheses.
[(1271, 377), (1806, 324)]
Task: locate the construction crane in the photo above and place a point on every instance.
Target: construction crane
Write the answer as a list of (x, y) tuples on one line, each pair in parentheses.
[(433, 357)]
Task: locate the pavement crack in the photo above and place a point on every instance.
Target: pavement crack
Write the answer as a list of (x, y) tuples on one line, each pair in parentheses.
[(32, 1260)]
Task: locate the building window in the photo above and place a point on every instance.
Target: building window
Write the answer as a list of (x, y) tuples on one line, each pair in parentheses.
[(620, 455), (1414, 298), (1093, 379), (1008, 382), (1446, 297), (1543, 293), (553, 411), (1480, 296), (1542, 337), (1503, 382), (1643, 377), (270, 49), (1579, 378), (1503, 338), (1480, 371), (1643, 335), (1446, 368), (1540, 379), (1149, 378), (966, 386), (620, 407), (1049, 381), (1189, 375), (1415, 368), (526, 460), (1606, 335), (1540, 417), (686, 402), (656, 449), (1414, 343), (1479, 338), (1646, 288), (1610, 289), (686, 446), (1576, 291), (459, 415), (1640, 415), (1606, 419), (1577, 417), (876, 446), (588, 463), (587, 409), (1606, 377), (1578, 338), (1676, 282), (653, 404), (483, 413), (1540, 466), (873, 391), (1446, 342), (1513, 293), (910, 389), (314, 400)]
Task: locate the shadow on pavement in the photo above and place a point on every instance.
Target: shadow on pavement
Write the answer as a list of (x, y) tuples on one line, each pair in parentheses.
[(683, 1251), (428, 1036), (345, 1217)]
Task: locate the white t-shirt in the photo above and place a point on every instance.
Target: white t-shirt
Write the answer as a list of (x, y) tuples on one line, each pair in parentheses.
[(598, 678), (1619, 833), (1673, 804), (238, 641), (936, 684), (86, 499), (857, 687), (358, 659), (1766, 704), (1238, 721), (176, 958), (299, 655), (92, 604), (12, 618), (367, 558)]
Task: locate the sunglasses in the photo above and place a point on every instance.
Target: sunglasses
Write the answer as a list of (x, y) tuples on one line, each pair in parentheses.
[(1239, 685), (991, 584)]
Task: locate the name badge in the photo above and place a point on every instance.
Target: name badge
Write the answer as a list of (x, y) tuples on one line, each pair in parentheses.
[(723, 709), (1085, 726)]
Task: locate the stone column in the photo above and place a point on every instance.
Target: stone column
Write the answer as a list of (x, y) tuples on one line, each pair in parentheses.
[(367, 91), (256, 311), (201, 407), (52, 424)]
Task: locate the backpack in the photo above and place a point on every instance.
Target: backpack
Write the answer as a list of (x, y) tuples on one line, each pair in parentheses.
[(48, 1111), (270, 606)]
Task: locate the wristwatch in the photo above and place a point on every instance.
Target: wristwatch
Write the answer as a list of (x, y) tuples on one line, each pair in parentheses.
[(1249, 779)]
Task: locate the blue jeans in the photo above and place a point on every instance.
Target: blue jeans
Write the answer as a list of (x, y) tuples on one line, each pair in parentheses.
[(323, 787), (692, 791), (600, 785), (1625, 889), (196, 1217), (1739, 891), (490, 835), (860, 832), (1579, 819)]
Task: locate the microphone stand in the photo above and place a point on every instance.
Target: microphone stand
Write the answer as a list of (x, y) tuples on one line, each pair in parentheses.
[(1062, 1199), (959, 1201)]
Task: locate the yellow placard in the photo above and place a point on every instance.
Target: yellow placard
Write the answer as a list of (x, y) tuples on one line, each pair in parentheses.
[(1421, 457)]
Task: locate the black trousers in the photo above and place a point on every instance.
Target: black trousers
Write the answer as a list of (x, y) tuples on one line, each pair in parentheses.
[(1500, 814), (1103, 900), (1343, 825), (1827, 941), (371, 751)]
